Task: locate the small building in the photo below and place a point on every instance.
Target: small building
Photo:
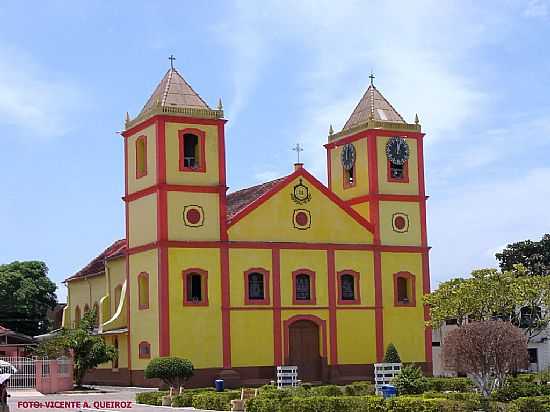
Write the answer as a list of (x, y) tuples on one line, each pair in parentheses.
[(13, 344)]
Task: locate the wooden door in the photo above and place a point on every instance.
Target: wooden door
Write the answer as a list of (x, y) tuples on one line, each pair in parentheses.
[(304, 350)]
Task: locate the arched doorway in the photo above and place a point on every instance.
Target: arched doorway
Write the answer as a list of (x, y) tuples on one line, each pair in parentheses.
[(303, 349)]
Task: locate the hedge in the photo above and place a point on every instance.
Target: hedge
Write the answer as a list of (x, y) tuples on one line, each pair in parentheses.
[(151, 397), (354, 404), (531, 404), (218, 401), (520, 388), (440, 384)]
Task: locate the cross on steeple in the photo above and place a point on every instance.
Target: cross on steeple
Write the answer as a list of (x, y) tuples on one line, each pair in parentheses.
[(298, 149), (171, 58), (371, 77)]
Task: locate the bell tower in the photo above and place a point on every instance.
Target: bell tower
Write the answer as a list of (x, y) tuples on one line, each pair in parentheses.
[(175, 183), (375, 164)]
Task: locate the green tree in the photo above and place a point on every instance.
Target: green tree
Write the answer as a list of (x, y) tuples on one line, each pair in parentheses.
[(26, 294), (173, 371), (489, 294), (534, 256), (89, 350), (391, 356)]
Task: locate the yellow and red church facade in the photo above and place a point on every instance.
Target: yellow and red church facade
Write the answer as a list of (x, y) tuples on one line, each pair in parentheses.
[(288, 272)]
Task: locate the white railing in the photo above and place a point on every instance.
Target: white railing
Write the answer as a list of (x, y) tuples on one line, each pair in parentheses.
[(384, 374), (287, 376), (25, 377)]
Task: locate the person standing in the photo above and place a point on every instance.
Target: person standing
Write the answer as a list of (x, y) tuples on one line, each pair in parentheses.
[(4, 407)]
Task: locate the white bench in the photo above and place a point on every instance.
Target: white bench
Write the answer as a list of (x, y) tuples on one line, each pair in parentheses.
[(287, 376)]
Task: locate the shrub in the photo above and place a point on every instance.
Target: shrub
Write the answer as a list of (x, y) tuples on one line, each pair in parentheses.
[(151, 397), (532, 404), (218, 401), (471, 401), (391, 355), (359, 389), (172, 371), (325, 390), (441, 384), (410, 381), (514, 389), (185, 399)]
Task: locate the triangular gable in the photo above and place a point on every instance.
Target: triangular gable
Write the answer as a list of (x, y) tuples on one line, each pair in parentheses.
[(271, 217)]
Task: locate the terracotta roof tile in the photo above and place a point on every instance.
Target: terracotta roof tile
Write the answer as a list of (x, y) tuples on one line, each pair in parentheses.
[(240, 199), (373, 105), (97, 265)]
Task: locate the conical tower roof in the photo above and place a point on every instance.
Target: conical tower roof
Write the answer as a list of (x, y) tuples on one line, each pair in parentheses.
[(174, 91), (373, 106)]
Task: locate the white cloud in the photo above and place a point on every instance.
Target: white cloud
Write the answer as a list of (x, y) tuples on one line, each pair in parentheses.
[(537, 8), (31, 99)]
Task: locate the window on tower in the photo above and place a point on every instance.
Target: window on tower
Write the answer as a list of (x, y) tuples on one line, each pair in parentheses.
[(192, 150), (141, 156), (404, 289), (349, 177), (195, 291), (398, 173)]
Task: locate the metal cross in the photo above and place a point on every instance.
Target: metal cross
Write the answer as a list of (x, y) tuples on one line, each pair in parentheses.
[(371, 77), (298, 149), (171, 58)]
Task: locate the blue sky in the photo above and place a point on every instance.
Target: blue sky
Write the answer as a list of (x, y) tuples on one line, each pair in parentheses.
[(477, 73)]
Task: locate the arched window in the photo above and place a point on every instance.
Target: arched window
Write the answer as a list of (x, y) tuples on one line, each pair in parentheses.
[(141, 156), (86, 308), (349, 177), (192, 150), (115, 362), (348, 287), (195, 287), (256, 283), (77, 316), (304, 287), (143, 290), (144, 350), (404, 289), (118, 294), (96, 314)]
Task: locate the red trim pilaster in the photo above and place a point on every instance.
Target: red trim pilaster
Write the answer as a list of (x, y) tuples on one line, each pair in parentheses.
[(127, 257), (329, 168), (222, 182), (378, 303), (333, 329), (226, 316), (277, 332)]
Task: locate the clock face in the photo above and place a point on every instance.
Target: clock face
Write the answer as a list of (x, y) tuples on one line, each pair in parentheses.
[(397, 150), (348, 156)]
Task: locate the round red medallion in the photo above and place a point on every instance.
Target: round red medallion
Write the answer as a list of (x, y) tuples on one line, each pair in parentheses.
[(302, 219), (193, 216), (399, 222)]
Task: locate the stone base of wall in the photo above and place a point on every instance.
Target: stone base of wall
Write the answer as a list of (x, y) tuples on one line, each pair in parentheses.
[(235, 377)]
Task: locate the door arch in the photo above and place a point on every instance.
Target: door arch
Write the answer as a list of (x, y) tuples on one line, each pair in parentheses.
[(305, 345)]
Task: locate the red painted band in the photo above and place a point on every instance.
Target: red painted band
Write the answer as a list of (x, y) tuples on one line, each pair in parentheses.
[(333, 328), (277, 333), (226, 317)]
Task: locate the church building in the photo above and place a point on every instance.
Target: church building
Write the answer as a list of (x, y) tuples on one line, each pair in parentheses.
[(288, 272)]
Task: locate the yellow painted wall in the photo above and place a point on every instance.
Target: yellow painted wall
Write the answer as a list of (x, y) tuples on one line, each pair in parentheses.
[(85, 291), (362, 262), (363, 209), (195, 332), (122, 351), (361, 187), (384, 186), (148, 180), (173, 175), (143, 220), (273, 221), (252, 338), (315, 260), (241, 260), (388, 236), (144, 323), (177, 230), (356, 336), (403, 326)]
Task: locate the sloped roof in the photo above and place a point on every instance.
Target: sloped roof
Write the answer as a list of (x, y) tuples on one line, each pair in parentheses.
[(174, 91), (97, 265), (240, 199), (373, 106)]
